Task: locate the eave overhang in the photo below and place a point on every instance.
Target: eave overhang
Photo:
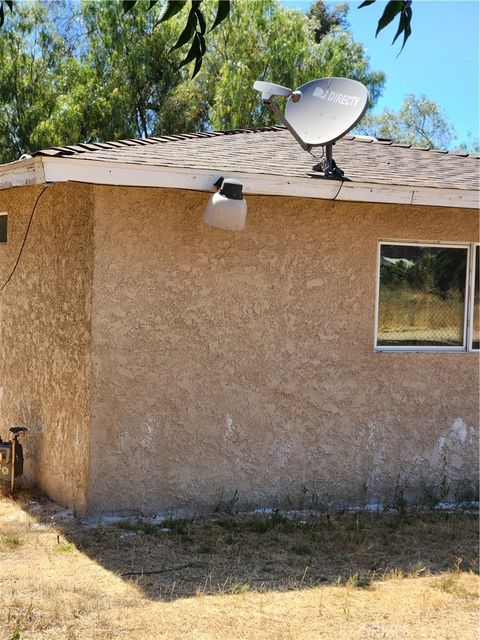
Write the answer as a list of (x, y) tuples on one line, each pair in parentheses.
[(42, 170)]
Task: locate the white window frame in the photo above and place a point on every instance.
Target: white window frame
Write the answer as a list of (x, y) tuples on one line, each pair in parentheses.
[(468, 309), (471, 295)]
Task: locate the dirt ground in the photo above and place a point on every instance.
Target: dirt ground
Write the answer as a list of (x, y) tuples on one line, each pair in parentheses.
[(351, 575)]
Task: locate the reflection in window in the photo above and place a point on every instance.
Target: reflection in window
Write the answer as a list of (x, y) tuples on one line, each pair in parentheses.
[(476, 303), (421, 296)]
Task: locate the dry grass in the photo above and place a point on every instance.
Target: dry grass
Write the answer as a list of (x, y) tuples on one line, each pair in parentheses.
[(347, 576), (407, 315)]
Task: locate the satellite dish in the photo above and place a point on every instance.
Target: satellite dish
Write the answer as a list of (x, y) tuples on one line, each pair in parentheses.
[(318, 113), (328, 109)]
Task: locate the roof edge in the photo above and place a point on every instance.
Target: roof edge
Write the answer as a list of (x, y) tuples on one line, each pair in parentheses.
[(82, 147), (41, 170)]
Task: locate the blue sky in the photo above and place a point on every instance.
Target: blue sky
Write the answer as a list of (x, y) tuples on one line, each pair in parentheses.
[(440, 60)]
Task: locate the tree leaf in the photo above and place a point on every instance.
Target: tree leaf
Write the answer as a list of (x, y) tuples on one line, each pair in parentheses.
[(152, 4), (392, 9), (128, 4), (202, 25), (187, 32), (194, 52), (197, 67), (404, 26), (222, 12), (171, 8), (202, 43), (366, 3)]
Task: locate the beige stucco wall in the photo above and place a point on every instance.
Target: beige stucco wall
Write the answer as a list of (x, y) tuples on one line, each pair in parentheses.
[(45, 334), (242, 364)]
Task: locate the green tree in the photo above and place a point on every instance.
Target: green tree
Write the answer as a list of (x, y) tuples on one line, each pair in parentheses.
[(326, 19), (419, 122), (100, 75), (264, 40), (33, 64), (131, 73)]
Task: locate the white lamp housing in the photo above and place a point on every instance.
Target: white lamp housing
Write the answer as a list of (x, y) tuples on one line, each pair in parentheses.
[(227, 209)]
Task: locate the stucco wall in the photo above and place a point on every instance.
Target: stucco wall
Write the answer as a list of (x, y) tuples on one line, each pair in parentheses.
[(45, 334), (241, 365)]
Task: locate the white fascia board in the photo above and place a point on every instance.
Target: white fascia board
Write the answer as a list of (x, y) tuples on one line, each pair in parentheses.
[(22, 173), (143, 175), (365, 192), (52, 169), (464, 198)]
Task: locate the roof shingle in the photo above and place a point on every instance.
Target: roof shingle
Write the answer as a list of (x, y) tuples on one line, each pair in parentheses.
[(273, 151)]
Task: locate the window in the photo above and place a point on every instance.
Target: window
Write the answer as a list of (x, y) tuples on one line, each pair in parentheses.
[(475, 296), (427, 297), (3, 227)]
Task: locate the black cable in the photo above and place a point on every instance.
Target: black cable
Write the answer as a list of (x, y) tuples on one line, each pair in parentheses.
[(24, 238)]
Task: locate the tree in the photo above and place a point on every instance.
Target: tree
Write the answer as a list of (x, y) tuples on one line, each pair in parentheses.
[(326, 19), (419, 122), (102, 76), (264, 40), (33, 64), (131, 73), (195, 26)]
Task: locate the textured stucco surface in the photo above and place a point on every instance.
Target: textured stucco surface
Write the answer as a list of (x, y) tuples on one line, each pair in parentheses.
[(243, 362), (45, 334)]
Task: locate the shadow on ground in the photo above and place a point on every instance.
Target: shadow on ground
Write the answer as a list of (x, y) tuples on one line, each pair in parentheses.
[(243, 552)]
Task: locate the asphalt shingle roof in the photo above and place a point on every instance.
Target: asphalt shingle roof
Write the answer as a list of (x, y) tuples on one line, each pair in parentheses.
[(273, 151)]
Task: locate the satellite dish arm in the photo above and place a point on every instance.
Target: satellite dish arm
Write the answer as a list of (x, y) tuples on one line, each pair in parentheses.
[(274, 108)]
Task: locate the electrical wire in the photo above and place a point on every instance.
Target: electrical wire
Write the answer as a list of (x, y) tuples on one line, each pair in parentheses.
[(24, 238)]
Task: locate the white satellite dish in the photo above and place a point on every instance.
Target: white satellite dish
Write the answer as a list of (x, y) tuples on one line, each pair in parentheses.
[(318, 113)]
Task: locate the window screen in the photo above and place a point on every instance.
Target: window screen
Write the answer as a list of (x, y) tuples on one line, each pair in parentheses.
[(422, 296)]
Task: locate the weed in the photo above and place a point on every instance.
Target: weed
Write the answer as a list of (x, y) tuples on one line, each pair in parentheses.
[(395, 523), (141, 527), (393, 574), (13, 541), (466, 492), (231, 524), (227, 505), (310, 499), (259, 525), (179, 526), (444, 488), (352, 581), (417, 570), (65, 548), (238, 587), (399, 502), (448, 581), (301, 550), (149, 529), (205, 547), (364, 494)]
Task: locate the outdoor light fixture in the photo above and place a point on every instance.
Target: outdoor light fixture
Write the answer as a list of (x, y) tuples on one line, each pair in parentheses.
[(227, 209)]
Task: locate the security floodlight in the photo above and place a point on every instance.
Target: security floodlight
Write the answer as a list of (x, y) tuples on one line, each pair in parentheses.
[(226, 208)]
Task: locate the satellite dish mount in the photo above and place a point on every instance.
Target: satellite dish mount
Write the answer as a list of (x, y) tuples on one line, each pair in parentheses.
[(318, 114)]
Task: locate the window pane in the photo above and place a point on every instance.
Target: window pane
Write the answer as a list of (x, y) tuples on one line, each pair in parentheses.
[(422, 296), (3, 227), (476, 303)]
